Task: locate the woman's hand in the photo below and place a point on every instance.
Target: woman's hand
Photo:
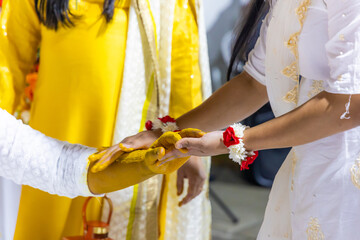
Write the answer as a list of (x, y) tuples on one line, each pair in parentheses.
[(210, 144)]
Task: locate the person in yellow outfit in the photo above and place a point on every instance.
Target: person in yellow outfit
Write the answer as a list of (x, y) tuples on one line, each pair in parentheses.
[(106, 67)]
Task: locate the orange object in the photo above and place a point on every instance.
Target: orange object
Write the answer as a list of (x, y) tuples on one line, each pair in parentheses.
[(94, 230), (31, 79)]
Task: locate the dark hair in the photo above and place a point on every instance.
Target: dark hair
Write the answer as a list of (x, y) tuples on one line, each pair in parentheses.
[(51, 13), (244, 38)]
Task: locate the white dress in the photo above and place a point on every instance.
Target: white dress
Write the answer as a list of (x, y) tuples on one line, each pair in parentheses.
[(316, 193), (31, 158)]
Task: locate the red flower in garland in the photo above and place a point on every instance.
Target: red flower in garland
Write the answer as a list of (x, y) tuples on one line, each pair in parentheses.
[(249, 160), (229, 137), (0, 3), (167, 119), (148, 125)]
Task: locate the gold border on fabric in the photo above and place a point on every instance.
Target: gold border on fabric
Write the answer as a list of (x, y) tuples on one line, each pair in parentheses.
[(292, 71), (143, 10), (144, 13), (355, 173), (132, 213), (147, 103), (317, 86), (293, 166)]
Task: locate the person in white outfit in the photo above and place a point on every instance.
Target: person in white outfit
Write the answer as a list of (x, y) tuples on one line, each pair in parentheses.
[(29, 157), (307, 64)]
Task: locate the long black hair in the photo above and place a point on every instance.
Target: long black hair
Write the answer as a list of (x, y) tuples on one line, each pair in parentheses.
[(241, 47), (52, 13)]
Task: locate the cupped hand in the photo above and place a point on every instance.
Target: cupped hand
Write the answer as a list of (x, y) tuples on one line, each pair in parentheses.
[(168, 141)]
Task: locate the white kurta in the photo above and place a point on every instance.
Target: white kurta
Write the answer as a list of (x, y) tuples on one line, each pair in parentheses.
[(31, 158), (316, 193)]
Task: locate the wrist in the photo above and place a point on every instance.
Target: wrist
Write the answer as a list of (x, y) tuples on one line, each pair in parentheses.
[(233, 139), (166, 124), (221, 148), (246, 141)]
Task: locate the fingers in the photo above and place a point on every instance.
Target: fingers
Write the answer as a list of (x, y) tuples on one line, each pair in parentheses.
[(180, 183), (141, 140), (194, 189), (191, 133), (153, 155), (174, 154), (96, 156), (125, 148), (196, 174), (167, 140), (109, 156)]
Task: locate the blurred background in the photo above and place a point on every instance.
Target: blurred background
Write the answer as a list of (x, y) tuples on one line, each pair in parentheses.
[(238, 198)]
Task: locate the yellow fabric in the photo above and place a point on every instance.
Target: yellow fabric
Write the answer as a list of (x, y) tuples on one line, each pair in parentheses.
[(16, 60), (186, 91), (75, 98), (78, 89)]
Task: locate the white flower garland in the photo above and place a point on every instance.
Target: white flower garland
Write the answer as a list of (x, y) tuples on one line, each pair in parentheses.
[(165, 127), (238, 152)]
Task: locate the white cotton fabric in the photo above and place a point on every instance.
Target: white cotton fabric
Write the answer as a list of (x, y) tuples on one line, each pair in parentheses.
[(31, 158), (316, 193)]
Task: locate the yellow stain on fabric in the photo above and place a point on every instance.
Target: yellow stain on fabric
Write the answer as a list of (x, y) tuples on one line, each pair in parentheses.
[(132, 213)]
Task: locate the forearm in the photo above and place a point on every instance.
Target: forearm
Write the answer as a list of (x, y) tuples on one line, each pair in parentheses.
[(31, 158), (118, 176), (233, 102), (316, 119)]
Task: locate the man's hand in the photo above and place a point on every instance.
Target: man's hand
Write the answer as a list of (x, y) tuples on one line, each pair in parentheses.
[(107, 156), (141, 141), (194, 171)]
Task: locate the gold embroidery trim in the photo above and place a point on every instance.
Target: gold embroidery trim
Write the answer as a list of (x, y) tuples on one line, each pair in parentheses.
[(314, 230), (292, 95), (292, 71), (292, 44), (143, 10), (302, 10), (355, 173), (316, 87)]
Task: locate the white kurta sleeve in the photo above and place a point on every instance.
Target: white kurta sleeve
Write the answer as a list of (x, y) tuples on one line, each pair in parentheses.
[(31, 158), (255, 66), (343, 47)]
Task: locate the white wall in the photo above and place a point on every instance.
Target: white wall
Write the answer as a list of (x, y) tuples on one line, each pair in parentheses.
[(221, 17)]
